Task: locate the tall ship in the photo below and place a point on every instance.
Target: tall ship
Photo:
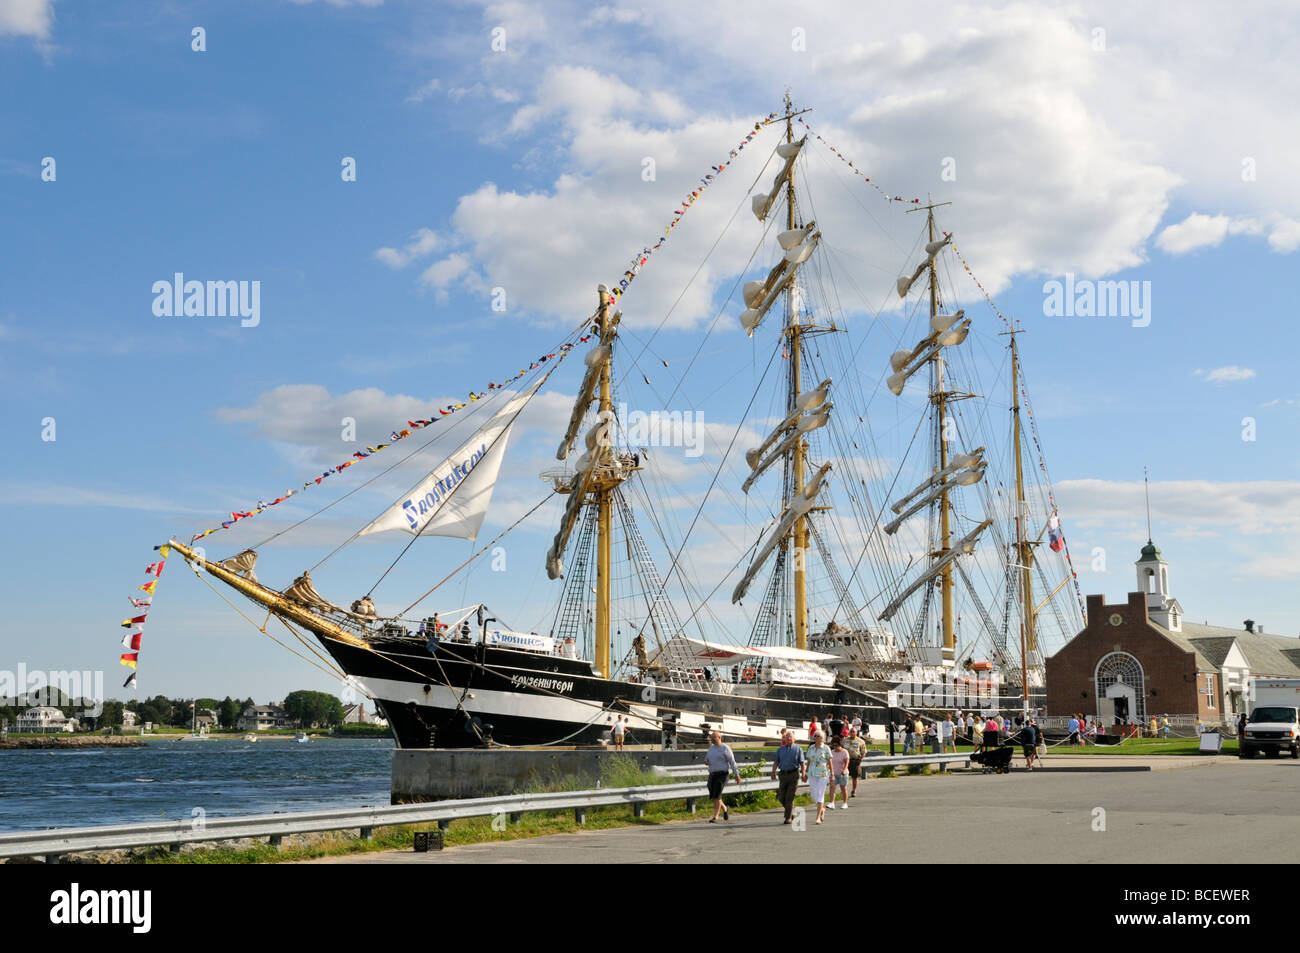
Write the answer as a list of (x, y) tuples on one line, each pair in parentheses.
[(883, 569)]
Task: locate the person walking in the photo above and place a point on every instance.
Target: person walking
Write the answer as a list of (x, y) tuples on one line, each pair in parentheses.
[(857, 749), (817, 772), (839, 771), (620, 728), (813, 728), (1028, 736), (721, 762), (908, 736), (977, 733), (786, 768), (1073, 728), (947, 737)]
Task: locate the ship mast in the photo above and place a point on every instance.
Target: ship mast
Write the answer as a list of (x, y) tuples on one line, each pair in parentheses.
[(939, 397), (800, 446), (604, 487), (1024, 548)]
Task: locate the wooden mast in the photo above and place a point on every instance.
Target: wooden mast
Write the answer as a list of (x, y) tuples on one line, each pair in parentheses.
[(940, 398), (1024, 548), (800, 448), (604, 543)]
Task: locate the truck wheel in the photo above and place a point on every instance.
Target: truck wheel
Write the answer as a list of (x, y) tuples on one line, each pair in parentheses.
[(1295, 752)]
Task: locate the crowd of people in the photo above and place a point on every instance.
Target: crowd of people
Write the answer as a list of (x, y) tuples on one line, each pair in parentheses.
[(832, 763)]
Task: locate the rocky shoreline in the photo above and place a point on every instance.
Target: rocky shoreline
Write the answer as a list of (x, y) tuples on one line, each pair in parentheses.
[(69, 741)]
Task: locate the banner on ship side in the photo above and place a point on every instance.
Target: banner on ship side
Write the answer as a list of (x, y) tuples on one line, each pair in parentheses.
[(529, 642)]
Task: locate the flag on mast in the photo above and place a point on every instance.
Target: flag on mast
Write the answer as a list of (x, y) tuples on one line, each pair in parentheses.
[(1055, 538)]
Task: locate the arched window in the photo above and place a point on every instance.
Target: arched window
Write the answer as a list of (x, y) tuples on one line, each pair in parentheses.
[(1122, 668)]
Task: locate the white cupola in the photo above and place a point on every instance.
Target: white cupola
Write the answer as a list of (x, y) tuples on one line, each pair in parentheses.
[(1153, 581)]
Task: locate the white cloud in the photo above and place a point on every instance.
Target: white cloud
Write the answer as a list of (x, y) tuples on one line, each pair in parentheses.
[(1067, 155), (421, 93), (1201, 231), (424, 242), (1263, 507), (1285, 236), (1195, 231), (63, 497), (27, 18), (1225, 375)]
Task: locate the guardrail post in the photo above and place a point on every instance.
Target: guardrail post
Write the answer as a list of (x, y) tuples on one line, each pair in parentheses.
[(274, 840), (444, 826), (176, 848), (638, 808), (516, 817), (690, 804), (367, 833), (52, 858), (580, 815)]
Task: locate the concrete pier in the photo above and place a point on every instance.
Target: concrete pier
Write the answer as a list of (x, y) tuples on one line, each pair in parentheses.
[(434, 774)]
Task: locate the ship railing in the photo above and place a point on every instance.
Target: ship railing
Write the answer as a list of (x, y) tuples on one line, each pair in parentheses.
[(175, 834)]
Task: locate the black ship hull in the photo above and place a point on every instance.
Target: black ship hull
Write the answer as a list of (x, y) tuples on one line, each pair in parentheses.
[(462, 695)]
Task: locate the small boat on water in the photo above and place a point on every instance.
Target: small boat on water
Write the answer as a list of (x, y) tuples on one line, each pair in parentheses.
[(301, 737), (250, 737)]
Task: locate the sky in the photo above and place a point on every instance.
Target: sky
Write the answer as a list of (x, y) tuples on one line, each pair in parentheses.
[(428, 194)]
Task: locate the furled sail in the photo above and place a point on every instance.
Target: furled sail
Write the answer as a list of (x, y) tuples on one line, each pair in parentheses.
[(799, 244), (907, 363), (242, 563), (932, 249), (597, 442), (594, 360), (805, 401), (802, 425), (787, 152), (799, 506), (965, 545), (453, 499)]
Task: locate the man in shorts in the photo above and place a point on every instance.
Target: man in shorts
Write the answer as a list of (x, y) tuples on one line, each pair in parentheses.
[(856, 748), (1029, 743)]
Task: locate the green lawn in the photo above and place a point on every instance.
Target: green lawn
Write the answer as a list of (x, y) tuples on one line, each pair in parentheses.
[(1145, 746)]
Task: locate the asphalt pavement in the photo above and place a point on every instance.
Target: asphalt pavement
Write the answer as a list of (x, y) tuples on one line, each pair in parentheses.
[(1168, 810)]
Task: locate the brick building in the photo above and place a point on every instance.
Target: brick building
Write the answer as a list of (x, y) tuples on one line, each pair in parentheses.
[(1139, 658)]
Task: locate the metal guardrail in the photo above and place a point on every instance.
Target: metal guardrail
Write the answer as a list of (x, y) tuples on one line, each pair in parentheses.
[(870, 765), (52, 843)]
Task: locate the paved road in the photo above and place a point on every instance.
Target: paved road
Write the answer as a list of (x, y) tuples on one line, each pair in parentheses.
[(1224, 809)]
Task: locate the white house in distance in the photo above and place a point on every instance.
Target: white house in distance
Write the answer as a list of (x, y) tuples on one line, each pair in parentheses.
[(45, 720), (263, 718)]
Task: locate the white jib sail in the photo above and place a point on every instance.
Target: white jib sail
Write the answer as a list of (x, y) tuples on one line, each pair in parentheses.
[(453, 499)]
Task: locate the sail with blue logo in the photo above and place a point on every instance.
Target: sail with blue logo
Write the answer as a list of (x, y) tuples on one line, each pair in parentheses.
[(453, 499)]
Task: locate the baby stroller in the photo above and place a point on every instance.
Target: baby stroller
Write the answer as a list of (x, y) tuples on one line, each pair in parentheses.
[(997, 760)]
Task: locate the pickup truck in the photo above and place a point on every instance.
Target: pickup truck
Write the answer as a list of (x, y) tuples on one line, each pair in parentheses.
[(1274, 723)]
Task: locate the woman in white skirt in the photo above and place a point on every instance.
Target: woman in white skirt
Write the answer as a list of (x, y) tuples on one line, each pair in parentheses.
[(817, 772)]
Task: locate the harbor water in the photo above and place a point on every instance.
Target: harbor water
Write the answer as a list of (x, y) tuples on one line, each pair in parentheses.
[(174, 779)]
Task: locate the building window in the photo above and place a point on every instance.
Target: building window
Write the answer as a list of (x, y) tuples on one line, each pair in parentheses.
[(1122, 668), (1209, 691)]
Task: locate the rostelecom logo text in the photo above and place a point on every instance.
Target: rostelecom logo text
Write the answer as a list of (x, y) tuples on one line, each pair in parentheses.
[(77, 906)]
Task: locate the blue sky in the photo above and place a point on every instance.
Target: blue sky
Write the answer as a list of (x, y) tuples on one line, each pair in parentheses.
[(522, 169)]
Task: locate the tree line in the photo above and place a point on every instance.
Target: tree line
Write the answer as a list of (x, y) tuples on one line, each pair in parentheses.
[(307, 709)]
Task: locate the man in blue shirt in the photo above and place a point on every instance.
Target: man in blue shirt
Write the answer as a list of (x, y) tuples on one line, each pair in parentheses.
[(787, 763)]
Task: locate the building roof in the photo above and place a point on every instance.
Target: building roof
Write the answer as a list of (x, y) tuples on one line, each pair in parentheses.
[(1268, 655), (1151, 552), (1181, 640)]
